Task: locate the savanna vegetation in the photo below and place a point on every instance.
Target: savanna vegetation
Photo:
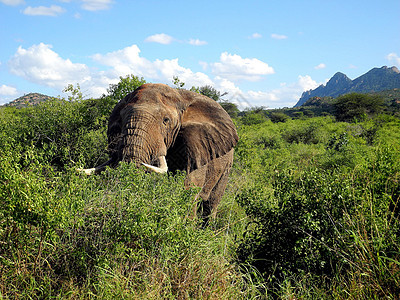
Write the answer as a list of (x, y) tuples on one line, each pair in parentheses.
[(311, 210)]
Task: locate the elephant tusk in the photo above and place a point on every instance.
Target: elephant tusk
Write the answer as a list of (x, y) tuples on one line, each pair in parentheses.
[(163, 168), (98, 169), (87, 171)]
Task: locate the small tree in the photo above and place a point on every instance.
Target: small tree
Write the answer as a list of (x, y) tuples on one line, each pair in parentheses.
[(212, 93), (277, 117), (125, 86), (356, 106), (230, 108)]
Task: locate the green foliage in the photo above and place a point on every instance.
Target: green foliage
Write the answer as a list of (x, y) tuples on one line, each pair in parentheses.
[(311, 211), (67, 233), (126, 85), (322, 201), (230, 108), (211, 92), (278, 117), (357, 107), (124, 233), (59, 131), (253, 118), (178, 83)]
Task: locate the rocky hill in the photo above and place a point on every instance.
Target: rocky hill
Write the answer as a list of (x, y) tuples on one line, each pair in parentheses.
[(375, 80), (29, 99)]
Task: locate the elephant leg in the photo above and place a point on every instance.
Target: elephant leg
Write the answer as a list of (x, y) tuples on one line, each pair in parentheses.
[(212, 178)]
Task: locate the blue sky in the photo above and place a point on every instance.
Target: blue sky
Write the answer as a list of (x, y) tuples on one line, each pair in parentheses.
[(263, 53)]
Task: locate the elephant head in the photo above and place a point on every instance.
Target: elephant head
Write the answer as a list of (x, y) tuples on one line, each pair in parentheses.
[(164, 128)]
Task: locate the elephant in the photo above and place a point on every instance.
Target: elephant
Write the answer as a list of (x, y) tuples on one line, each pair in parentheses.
[(166, 129)]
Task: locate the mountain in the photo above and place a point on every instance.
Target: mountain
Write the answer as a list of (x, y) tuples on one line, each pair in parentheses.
[(375, 80), (29, 99)]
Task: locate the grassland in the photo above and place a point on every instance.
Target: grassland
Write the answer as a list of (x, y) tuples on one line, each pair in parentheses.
[(311, 211)]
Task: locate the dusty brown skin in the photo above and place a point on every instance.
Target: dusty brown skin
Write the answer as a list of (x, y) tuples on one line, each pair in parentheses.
[(189, 131)]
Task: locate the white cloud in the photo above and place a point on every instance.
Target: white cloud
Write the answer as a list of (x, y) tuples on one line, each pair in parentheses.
[(12, 2), (320, 66), (262, 96), (278, 36), (93, 5), (255, 36), (197, 42), (287, 95), (128, 61), (51, 11), (6, 90), (394, 59), (236, 68), (160, 38), (306, 83), (204, 65), (41, 65)]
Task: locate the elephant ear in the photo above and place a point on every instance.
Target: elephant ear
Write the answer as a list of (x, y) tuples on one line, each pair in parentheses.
[(207, 131)]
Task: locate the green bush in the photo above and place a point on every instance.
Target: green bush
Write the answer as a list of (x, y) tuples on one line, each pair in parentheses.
[(73, 231), (277, 117), (357, 107), (253, 118), (311, 211), (325, 210)]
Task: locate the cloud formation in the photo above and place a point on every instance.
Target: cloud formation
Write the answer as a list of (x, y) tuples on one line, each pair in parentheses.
[(51, 11), (128, 61), (160, 38), (278, 36), (6, 90), (255, 36), (393, 58), (197, 42), (94, 5), (12, 2), (41, 65), (320, 66), (236, 68)]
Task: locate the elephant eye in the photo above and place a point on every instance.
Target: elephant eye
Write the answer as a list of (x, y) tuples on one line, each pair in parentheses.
[(166, 121)]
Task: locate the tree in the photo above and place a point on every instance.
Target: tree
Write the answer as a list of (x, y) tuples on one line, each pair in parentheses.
[(357, 106), (230, 108), (178, 83), (125, 86), (212, 93), (277, 117), (253, 118)]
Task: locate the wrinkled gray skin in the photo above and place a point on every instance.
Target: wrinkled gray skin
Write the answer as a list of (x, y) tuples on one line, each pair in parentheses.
[(168, 129)]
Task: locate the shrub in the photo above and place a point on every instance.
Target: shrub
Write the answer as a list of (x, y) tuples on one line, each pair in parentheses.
[(277, 117), (356, 107), (308, 134), (253, 118), (326, 223), (124, 232)]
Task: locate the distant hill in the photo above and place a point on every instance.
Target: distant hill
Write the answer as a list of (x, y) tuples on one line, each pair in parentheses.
[(29, 99), (375, 80)]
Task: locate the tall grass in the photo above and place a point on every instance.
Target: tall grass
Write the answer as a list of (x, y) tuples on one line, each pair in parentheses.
[(123, 233), (323, 218), (311, 211)]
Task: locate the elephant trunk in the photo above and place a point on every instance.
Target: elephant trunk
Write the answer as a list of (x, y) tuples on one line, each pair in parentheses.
[(140, 145)]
